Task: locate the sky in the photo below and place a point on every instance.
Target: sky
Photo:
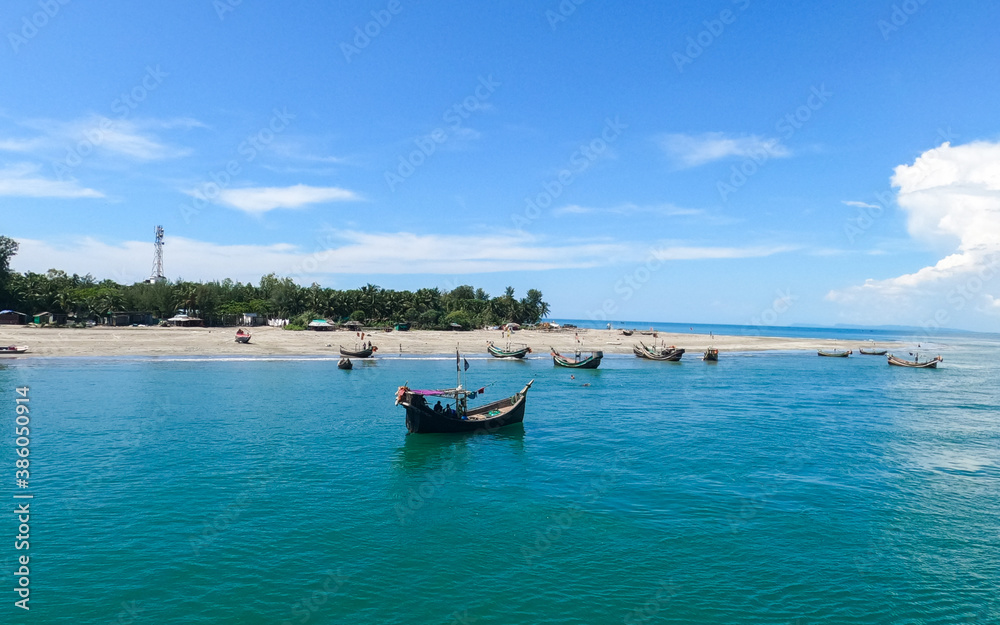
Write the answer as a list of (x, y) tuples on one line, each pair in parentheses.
[(734, 161)]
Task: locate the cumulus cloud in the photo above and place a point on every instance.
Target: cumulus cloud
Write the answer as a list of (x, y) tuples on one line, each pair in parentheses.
[(693, 150), (951, 198), (259, 200)]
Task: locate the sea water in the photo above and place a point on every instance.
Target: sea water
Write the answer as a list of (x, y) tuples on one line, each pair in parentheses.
[(765, 488)]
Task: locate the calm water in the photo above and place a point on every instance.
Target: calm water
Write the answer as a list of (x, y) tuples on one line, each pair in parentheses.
[(767, 488)]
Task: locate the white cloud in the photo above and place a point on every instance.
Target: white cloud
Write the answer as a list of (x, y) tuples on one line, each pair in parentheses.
[(99, 134), (22, 180), (951, 198), (667, 210), (258, 200), (859, 204), (349, 252), (693, 150)]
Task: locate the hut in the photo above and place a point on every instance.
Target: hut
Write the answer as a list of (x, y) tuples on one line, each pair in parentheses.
[(320, 325), (13, 318), (184, 321), (352, 325)]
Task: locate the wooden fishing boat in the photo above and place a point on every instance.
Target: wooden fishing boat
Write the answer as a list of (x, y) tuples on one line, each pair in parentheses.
[(362, 353), (507, 352), (711, 355), (14, 349), (345, 364), (592, 361), (835, 353), (873, 352), (666, 354), (627, 332), (916, 363), (242, 336), (421, 418)]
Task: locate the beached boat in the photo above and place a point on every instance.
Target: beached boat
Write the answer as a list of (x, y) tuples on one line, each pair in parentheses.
[(666, 354), (592, 361), (915, 363), (14, 349), (242, 336), (711, 355), (362, 353), (421, 418), (508, 351), (345, 363), (835, 353), (627, 332)]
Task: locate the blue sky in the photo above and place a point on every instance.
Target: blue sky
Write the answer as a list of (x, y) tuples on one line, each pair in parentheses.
[(715, 162)]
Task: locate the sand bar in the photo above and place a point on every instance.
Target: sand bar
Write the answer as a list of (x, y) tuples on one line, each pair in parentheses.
[(268, 341)]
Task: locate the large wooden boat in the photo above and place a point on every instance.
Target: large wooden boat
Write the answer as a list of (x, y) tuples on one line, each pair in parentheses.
[(362, 353), (873, 352), (835, 353), (508, 351), (627, 332), (916, 363), (711, 355), (421, 418), (242, 336), (667, 354), (14, 349), (592, 361), (345, 363)]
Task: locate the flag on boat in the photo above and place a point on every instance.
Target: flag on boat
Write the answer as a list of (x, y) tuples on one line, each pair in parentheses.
[(466, 364)]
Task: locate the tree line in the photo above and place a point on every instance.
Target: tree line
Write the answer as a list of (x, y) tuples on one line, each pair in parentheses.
[(219, 302)]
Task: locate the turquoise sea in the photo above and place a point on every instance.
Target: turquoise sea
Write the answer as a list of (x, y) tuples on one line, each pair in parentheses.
[(776, 488)]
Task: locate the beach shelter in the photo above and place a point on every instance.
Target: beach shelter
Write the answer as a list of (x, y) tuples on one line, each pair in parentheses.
[(13, 318), (320, 325)]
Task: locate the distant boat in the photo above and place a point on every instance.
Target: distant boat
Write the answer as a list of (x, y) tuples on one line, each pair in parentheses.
[(871, 351), (592, 361), (363, 353), (627, 332), (242, 336), (508, 352), (711, 355), (666, 354), (345, 363), (916, 363), (14, 349), (835, 353), (421, 418)]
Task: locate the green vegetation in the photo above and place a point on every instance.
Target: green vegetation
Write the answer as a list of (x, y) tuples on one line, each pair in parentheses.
[(220, 303)]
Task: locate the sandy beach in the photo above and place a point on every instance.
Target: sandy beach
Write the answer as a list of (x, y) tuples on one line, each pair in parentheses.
[(268, 341)]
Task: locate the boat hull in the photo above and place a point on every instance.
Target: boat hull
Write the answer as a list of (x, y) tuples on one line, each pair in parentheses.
[(873, 352), (13, 349), (422, 419), (364, 353), (496, 352), (834, 354), (711, 355), (243, 339), (345, 364), (899, 362), (590, 362), (672, 354)]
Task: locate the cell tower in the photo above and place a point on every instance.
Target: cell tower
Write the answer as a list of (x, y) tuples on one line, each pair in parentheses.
[(157, 257)]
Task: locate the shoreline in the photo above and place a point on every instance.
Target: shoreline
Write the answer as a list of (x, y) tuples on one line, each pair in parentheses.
[(269, 341)]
